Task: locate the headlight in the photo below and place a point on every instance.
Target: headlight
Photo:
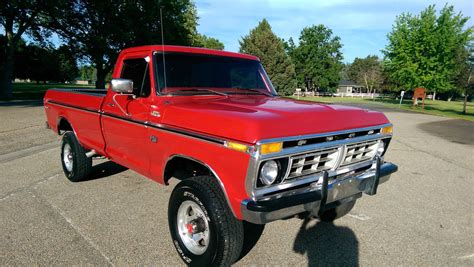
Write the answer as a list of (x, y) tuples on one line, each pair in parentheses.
[(269, 172), (381, 148)]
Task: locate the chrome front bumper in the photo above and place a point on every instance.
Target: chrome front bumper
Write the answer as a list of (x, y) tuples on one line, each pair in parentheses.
[(318, 197)]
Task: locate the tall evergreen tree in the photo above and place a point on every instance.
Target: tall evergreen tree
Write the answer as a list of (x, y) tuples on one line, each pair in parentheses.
[(423, 49), (318, 58), (263, 43)]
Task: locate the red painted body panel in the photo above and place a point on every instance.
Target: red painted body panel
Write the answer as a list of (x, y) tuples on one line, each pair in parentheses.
[(231, 171), (85, 124), (126, 139), (264, 117)]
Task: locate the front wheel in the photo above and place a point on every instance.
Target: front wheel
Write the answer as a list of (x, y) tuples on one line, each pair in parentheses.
[(202, 226)]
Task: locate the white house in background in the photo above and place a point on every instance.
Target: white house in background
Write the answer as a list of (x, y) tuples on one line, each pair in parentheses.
[(349, 87), (81, 82)]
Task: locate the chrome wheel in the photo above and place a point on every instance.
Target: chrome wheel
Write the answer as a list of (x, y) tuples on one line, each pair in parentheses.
[(67, 157), (193, 227)]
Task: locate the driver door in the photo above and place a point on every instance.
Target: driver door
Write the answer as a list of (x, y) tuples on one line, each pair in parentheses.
[(124, 116)]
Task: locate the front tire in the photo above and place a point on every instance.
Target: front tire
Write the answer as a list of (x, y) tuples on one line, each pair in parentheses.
[(76, 165), (202, 226)]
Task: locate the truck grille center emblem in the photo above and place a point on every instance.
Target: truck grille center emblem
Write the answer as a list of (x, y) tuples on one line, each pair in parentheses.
[(302, 142)]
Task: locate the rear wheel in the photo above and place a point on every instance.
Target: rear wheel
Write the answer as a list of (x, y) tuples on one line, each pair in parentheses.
[(337, 212), (202, 226), (76, 165)]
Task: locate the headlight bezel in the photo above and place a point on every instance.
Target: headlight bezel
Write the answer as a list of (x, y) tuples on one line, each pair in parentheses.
[(282, 164), (269, 172)]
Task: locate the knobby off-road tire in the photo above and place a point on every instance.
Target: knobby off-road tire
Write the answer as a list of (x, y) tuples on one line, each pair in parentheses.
[(198, 204), (337, 212), (76, 165)]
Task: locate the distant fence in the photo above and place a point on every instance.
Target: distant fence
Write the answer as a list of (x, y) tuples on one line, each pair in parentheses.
[(327, 94)]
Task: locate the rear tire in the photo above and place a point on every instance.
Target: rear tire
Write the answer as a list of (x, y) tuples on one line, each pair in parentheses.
[(202, 226), (76, 165), (337, 212)]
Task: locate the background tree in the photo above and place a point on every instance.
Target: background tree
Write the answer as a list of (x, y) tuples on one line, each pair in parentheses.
[(318, 57), (87, 73), (263, 43), (422, 49), (98, 30), (44, 64), (17, 17), (67, 64), (202, 40), (289, 46), (367, 71), (344, 73), (465, 79)]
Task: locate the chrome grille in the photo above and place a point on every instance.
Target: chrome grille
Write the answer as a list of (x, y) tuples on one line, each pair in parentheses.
[(305, 164), (359, 152)]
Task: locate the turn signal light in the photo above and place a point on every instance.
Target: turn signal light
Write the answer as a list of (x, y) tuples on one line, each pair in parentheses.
[(387, 130), (271, 148), (237, 146)]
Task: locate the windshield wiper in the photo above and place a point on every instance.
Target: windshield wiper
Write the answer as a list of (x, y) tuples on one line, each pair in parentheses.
[(204, 90), (256, 91)]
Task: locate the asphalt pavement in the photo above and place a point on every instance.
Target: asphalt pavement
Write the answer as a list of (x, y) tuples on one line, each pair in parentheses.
[(423, 216)]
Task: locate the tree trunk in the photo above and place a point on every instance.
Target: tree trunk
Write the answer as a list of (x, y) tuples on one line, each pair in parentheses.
[(434, 95), (6, 78), (6, 74), (466, 89), (465, 101), (366, 83), (101, 73)]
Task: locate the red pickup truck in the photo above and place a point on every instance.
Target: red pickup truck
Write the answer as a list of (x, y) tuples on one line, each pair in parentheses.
[(244, 156)]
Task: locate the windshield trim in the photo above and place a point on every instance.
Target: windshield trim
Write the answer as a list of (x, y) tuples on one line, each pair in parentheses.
[(270, 90)]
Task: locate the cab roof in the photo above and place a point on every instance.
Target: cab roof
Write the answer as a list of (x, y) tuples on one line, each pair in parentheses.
[(187, 49)]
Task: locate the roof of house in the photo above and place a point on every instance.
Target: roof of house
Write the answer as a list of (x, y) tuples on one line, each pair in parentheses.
[(349, 83)]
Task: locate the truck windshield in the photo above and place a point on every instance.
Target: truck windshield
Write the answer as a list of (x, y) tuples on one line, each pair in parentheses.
[(207, 74)]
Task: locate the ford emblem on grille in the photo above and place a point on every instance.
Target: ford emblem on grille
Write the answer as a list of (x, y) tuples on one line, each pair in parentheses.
[(302, 142)]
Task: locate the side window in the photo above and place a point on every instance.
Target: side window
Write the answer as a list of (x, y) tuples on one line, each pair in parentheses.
[(136, 69)]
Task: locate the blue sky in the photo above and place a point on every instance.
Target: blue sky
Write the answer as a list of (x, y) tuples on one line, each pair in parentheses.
[(362, 24)]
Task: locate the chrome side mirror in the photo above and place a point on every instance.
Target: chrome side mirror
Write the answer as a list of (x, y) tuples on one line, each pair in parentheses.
[(122, 86)]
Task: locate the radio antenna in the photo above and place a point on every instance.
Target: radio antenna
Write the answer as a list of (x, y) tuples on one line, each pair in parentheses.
[(163, 46)]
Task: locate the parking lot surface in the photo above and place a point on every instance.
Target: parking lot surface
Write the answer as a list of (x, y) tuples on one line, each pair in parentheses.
[(422, 216)]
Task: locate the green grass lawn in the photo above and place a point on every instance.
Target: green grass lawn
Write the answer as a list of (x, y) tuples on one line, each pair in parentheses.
[(451, 109), (37, 90)]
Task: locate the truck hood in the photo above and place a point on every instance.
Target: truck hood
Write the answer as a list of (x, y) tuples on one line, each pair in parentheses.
[(250, 118)]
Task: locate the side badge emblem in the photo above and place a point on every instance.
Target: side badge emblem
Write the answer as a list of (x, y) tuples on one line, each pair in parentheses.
[(155, 113)]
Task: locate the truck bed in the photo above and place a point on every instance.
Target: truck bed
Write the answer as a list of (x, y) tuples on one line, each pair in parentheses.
[(80, 109)]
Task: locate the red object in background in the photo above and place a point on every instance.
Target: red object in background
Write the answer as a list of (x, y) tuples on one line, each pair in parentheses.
[(419, 92)]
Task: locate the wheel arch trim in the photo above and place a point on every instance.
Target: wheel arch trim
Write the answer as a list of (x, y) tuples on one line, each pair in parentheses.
[(221, 184)]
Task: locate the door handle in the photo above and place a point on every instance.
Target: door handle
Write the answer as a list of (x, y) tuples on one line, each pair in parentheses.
[(111, 104)]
